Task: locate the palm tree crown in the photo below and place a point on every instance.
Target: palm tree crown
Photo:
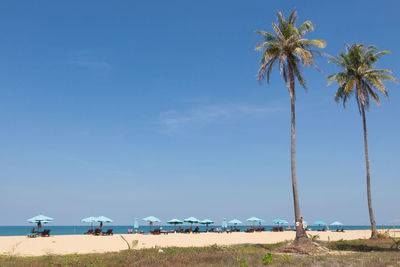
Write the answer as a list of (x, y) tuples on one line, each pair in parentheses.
[(287, 46), (359, 75)]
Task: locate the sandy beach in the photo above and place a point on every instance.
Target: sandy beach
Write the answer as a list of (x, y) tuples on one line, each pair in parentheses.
[(70, 244)]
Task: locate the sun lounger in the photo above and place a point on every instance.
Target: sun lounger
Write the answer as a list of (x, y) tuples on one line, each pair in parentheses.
[(89, 232), (156, 232), (46, 232), (249, 230), (109, 232), (97, 231), (31, 235)]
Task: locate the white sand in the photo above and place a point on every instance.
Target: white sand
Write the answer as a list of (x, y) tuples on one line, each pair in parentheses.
[(69, 244)]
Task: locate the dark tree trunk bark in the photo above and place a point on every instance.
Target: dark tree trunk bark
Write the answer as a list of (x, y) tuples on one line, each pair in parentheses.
[(374, 234), (301, 236)]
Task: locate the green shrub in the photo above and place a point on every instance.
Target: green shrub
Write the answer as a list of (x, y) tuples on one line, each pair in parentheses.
[(313, 237), (267, 259)]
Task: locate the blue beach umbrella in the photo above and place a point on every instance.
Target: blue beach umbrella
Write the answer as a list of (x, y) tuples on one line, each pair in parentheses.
[(103, 219), (206, 222), (224, 224), (279, 221), (319, 223), (336, 223), (235, 222), (136, 224), (40, 219), (255, 220), (90, 220), (175, 222), (191, 220), (151, 220)]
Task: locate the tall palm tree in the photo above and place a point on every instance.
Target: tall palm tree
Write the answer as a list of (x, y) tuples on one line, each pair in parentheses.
[(288, 47), (360, 77)]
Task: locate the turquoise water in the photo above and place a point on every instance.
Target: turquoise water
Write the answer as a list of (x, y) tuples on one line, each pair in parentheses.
[(75, 230)]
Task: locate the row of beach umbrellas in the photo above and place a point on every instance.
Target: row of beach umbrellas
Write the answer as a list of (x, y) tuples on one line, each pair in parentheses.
[(42, 219)]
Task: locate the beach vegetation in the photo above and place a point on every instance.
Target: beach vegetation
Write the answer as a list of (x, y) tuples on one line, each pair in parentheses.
[(314, 237), (130, 245), (359, 254), (288, 48), (268, 259), (364, 245), (286, 257), (360, 77)]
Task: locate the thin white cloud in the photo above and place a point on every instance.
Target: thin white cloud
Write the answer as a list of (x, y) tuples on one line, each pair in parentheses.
[(92, 64), (88, 59), (173, 121)]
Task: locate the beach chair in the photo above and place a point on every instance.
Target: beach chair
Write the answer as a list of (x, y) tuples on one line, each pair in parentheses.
[(89, 232), (156, 232), (211, 230), (187, 231), (196, 230), (46, 232), (32, 235), (249, 230), (97, 231), (109, 232)]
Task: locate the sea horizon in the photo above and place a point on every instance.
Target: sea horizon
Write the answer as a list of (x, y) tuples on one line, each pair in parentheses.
[(123, 229)]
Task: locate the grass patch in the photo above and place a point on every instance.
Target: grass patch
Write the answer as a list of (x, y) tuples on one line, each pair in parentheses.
[(246, 255), (364, 245)]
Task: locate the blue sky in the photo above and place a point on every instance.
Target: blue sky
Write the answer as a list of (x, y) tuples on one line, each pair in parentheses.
[(137, 108)]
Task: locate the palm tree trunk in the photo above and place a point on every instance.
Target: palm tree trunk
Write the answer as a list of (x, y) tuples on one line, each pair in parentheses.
[(374, 233), (301, 236)]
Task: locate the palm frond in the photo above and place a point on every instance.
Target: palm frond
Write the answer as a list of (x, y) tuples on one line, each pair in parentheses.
[(318, 43), (306, 27), (359, 71), (286, 48), (268, 36)]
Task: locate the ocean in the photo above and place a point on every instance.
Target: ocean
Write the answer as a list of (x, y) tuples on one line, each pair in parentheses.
[(77, 230)]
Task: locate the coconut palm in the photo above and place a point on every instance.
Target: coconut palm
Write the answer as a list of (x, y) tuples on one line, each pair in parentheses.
[(360, 77), (287, 47)]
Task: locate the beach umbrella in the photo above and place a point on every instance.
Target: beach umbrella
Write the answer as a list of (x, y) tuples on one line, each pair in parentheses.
[(235, 221), (336, 223), (90, 220), (103, 219), (39, 220), (224, 224), (136, 224), (318, 223), (175, 222), (279, 221), (255, 220), (151, 220), (206, 222), (191, 220)]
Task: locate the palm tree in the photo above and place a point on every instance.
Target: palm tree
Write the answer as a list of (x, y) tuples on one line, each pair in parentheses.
[(360, 77), (291, 50)]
